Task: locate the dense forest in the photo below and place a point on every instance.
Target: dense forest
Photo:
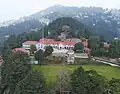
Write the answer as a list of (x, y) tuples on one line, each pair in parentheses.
[(71, 27)]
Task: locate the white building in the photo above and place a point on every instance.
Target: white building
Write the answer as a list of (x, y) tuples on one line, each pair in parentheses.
[(26, 45), (42, 43), (56, 44)]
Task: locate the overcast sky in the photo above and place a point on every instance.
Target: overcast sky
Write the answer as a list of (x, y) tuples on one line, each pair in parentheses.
[(12, 9)]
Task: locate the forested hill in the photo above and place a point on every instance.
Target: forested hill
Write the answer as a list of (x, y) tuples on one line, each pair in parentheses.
[(69, 26), (19, 28), (105, 22)]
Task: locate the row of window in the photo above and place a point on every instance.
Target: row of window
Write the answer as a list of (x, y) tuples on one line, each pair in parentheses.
[(54, 46)]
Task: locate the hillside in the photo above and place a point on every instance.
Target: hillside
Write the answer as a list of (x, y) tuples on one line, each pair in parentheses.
[(103, 22), (19, 28), (67, 26)]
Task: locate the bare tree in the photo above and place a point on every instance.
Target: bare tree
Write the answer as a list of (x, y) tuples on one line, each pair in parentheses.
[(63, 81)]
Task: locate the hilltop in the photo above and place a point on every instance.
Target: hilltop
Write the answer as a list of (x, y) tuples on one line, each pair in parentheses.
[(105, 22)]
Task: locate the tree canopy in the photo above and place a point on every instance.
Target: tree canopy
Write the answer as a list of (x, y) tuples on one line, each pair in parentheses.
[(87, 82), (14, 70), (48, 51), (79, 47), (39, 56), (70, 25), (94, 42), (33, 48), (34, 83)]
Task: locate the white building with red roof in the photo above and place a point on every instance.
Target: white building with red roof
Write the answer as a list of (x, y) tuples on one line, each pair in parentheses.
[(59, 44), (42, 43), (22, 50), (26, 45), (56, 44)]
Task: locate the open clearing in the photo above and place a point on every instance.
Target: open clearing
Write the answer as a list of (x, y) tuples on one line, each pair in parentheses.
[(51, 71)]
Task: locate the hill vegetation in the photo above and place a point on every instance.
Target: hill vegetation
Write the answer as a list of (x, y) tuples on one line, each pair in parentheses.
[(19, 28), (69, 26), (103, 22)]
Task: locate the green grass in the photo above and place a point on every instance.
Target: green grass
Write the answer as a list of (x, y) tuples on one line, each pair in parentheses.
[(51, 71)]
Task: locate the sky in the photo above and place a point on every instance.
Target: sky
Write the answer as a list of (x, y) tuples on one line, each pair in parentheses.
[(13, 9)]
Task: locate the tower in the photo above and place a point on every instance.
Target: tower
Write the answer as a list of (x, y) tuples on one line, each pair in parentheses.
[(70, 57)]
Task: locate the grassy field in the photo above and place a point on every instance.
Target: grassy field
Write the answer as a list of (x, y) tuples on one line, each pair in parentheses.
[(51, 71)]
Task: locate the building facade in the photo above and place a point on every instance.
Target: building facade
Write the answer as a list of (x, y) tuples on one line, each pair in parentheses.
[(26, 45), (55, 44), (59, 45)]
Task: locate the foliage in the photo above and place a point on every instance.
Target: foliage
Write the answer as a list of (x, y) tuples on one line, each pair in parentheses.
[(72, 26), (78, 47), (94, 42), (87, 82), (114, 86), (63, 81), (39, 56), (16, 41), (33, 83), (114, 50), (14, 70), (33, 49), (19, 28), (48, 51)]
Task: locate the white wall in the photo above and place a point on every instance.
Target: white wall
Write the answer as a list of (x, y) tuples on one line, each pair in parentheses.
[(27, 46)]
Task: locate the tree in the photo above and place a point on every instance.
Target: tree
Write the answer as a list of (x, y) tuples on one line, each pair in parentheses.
[(102, 51), (34, 83), (39, 56), (14, 70), (114, 86), (102, 39), (33, 49), (79, 47), (93, 42), (48, 51), (87, 33), (87, 82), (114, 49), (63, 82)]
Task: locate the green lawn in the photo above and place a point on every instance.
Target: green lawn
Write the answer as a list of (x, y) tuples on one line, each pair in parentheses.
[(51, 71)]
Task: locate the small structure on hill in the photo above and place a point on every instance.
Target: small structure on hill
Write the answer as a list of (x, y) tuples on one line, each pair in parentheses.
[(70, 57)]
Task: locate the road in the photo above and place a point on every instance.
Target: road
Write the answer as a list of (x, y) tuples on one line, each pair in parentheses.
[(106, 62)]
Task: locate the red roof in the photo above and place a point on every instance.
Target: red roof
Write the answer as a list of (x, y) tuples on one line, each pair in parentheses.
[(22, 50), (52, 41), (85, 43), (31, 42), (69, 43)]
